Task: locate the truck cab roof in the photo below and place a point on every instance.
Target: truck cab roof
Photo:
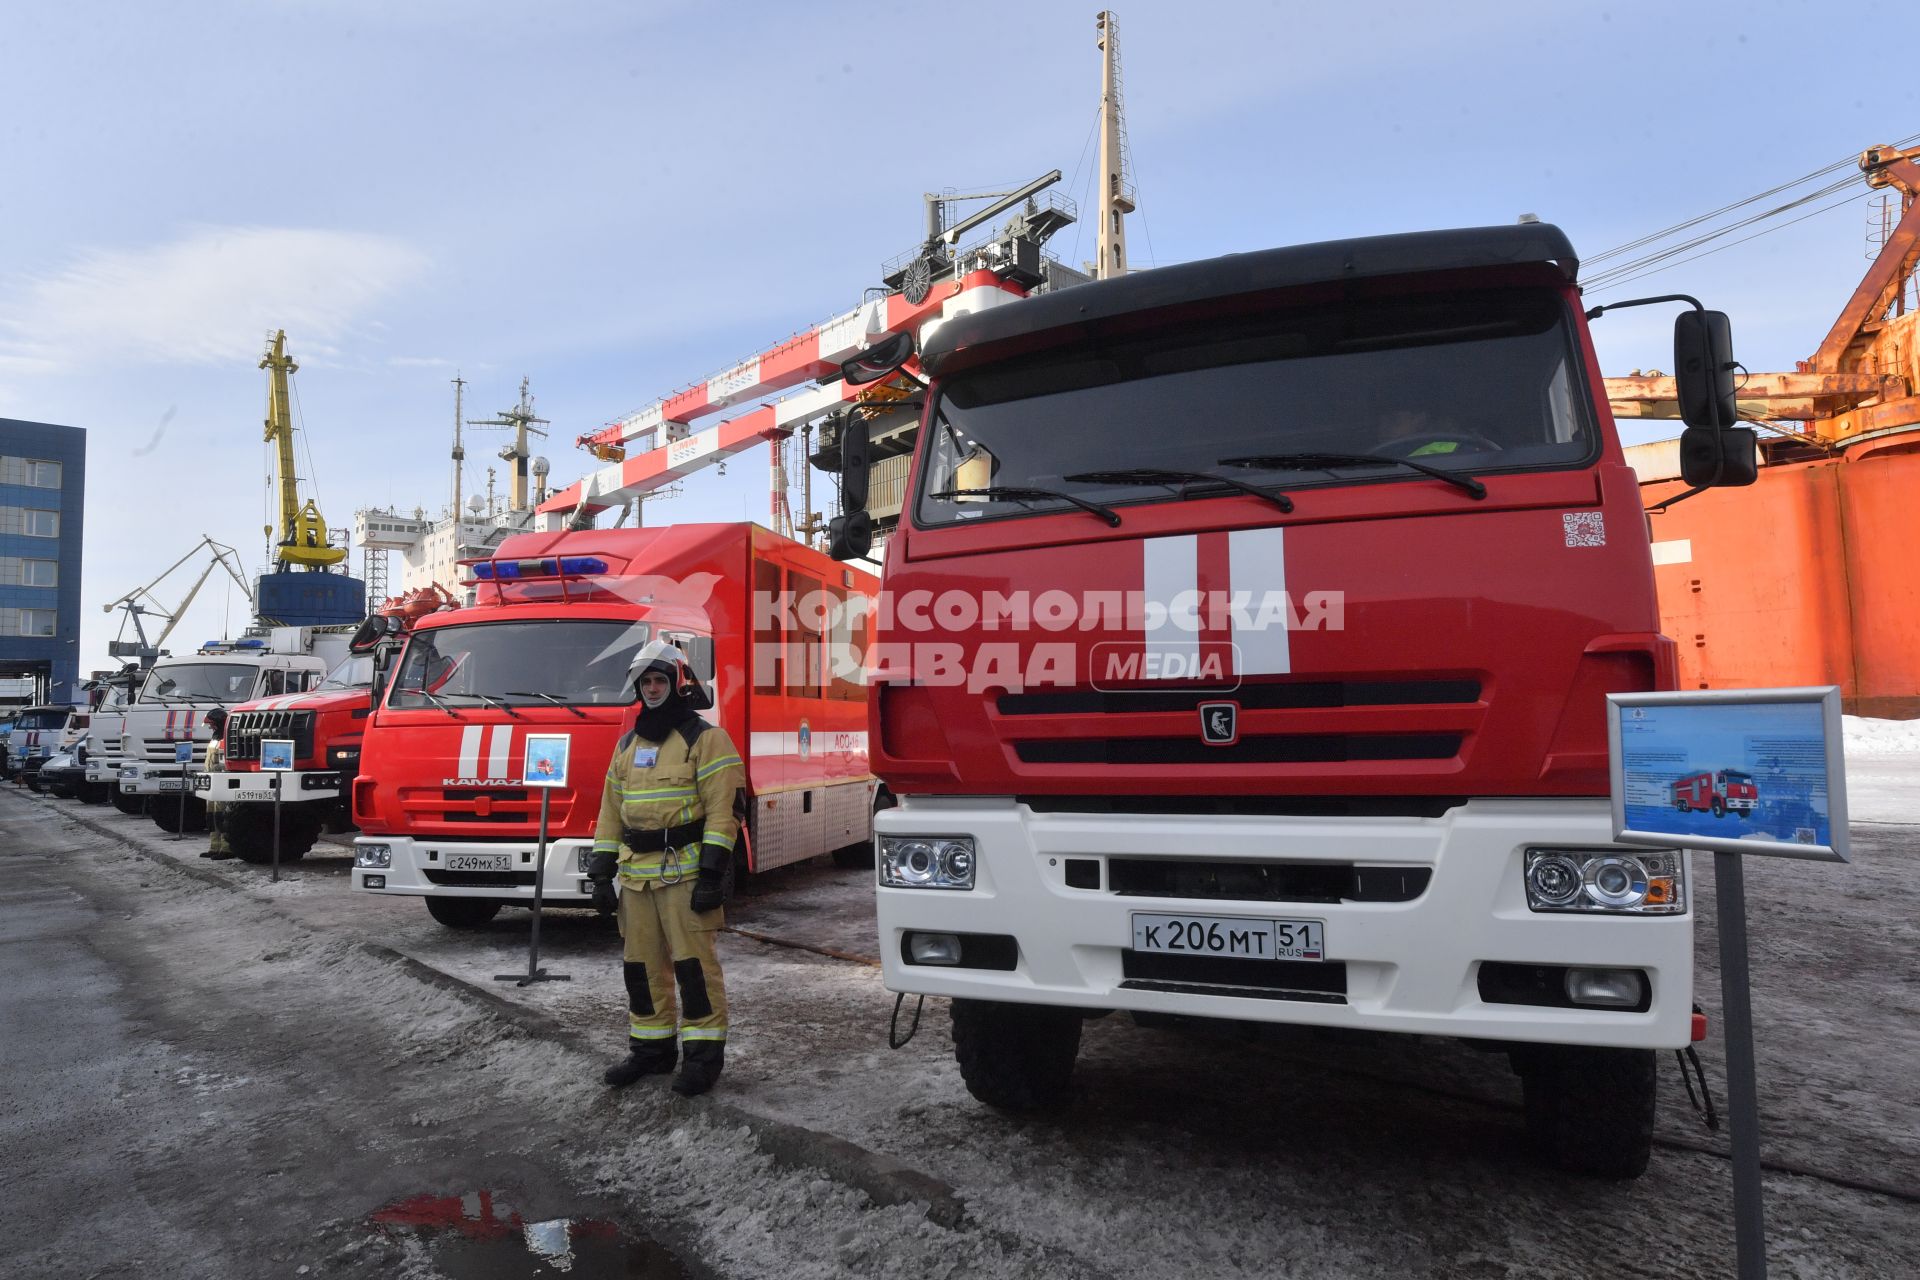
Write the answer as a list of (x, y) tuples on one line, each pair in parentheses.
[(1459, 249)]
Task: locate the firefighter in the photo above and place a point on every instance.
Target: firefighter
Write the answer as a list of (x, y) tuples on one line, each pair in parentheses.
[(668, 821), (217, 846)]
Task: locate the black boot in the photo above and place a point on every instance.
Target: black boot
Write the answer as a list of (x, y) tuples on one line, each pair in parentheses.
[(647, 1058), (702, 1067)]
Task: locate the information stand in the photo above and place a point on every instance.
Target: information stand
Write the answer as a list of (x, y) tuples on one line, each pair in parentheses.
[(182, 756), (276, 758), (544, 768), (1740, 773)]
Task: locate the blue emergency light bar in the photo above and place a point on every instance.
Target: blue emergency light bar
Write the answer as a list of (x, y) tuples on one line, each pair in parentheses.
[(548, 567)]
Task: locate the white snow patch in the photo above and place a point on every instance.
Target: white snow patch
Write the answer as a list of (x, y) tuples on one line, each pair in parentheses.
[(1881, 737)]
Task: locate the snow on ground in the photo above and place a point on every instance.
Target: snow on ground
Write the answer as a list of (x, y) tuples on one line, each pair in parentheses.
[(1883, 770), (1299, 1155), (1881, 737)]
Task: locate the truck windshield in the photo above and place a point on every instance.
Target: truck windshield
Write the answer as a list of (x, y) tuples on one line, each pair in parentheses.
[(1475, 382), (355, 672), (42, 720), (199, 682), (519, 662)]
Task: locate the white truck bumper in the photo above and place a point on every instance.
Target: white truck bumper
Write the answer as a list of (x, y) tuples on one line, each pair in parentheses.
[(152, 779), (102, 771), (296, 786), (501, 872), (1407, 966)]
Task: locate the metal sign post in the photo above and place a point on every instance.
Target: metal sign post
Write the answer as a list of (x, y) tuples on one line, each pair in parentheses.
[(545, 768), (182, 756), (276, 758), (1740, 773)]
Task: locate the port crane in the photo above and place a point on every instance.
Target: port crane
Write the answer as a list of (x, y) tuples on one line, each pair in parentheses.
[(303, 541), (145, 650)]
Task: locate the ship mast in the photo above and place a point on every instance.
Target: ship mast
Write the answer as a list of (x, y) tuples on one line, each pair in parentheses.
[(459, 450), (1116, 188)]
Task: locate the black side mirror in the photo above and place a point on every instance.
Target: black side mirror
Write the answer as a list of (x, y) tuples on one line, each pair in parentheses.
[(850, 537), (1703, 367), (878, 360), (382, 668), (1711, 458), (856, 459)]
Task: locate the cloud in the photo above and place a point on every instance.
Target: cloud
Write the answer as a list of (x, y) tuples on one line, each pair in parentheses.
[(209, 298)]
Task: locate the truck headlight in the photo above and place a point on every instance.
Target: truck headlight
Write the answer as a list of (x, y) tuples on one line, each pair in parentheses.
[(373, 855), (1608, 880), (917, 862)]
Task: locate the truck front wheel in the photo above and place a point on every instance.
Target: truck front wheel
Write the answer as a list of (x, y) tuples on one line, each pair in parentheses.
[(173, 818), (249, 830), (462, 913), (1017, 1057), (128, 803), (1589, 1111)]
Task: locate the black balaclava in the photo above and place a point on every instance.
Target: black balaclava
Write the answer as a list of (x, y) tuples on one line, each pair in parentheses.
[(655, 723)]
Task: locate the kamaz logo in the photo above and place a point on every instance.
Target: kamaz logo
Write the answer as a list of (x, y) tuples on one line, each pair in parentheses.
[(1220, 723), (473, 782)]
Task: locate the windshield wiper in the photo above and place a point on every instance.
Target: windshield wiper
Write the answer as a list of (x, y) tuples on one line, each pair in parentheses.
[(1175, 478), (492, 701), (534, 693), (1328, 461), (1025, 493), (435, 699)]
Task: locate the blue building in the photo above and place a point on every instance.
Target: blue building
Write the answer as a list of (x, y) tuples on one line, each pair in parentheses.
[(43, 482)]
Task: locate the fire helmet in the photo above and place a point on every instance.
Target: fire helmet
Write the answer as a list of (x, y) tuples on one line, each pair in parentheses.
[(659, 655)]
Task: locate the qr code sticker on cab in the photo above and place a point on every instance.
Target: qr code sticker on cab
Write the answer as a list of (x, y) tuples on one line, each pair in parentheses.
[(1585, 528)]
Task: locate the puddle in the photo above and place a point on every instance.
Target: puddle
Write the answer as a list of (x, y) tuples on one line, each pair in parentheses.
[(481, 1236)]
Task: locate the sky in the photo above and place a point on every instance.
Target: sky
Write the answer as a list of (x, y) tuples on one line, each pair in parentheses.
[(618, 199)]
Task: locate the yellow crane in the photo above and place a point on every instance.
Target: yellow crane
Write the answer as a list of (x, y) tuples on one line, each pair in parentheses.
[(303, 533)]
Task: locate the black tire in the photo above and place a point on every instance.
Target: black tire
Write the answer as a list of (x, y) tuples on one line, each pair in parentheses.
[(462, 913), (131, 805), (1719, 808), (165, 812), (33, 782), (1589, 1111), (249, 832), (93, 792), (1016, 1057)]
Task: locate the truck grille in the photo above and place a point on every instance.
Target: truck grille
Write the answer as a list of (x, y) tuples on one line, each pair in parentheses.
[(1305, 748), (1323, 981), (1248, 881), (479, 879), (1280, 722), (247, 729)]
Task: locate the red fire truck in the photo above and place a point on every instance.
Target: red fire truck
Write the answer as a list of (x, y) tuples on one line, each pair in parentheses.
[(325, 727), (441, 801), (1281, 593), (1722, 791)]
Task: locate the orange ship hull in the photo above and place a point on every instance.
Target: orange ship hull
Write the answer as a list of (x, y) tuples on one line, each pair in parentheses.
[(1809, 577)]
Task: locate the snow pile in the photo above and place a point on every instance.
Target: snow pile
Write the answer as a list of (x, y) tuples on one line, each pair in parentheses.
[(1881, 737)]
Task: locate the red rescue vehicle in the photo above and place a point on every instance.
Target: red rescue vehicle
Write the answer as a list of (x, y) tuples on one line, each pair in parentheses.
[(1723, 791), (325, 726), (1281, 595), (441, 799)]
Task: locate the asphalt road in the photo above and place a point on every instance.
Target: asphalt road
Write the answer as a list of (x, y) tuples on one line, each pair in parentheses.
[(211, 1075)]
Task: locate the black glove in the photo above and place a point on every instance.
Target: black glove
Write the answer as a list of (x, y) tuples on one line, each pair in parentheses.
[(601, 864), (710, 890)]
